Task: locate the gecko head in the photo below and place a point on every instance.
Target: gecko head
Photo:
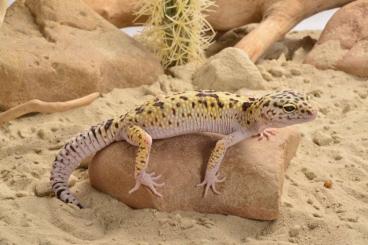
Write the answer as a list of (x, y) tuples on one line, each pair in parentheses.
[(286, 108)]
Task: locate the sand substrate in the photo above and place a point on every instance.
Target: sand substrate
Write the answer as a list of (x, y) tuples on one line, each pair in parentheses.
[(334, 148)]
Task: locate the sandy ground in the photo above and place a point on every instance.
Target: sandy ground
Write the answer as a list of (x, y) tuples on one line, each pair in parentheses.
[(334, 147)]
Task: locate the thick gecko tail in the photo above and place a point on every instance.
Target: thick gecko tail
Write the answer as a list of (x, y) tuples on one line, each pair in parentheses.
[(78, 148)]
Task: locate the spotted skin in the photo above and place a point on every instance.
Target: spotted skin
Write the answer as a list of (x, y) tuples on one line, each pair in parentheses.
[(236, 117)]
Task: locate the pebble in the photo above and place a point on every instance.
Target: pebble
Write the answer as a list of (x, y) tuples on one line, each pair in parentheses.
[(276, 72), (324, 110), (187, 223), (312, 226), (266, 76), (346, 109), (317, 215), (316, 93), (41, 134), (42, 189), (309, 174), (338, 157), (322, 139), (328, 184), (21, 194), (294, 231), (38, 151), (295, 72)]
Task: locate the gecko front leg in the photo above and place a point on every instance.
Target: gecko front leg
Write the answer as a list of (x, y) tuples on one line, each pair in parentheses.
[(267, 133), (138, 137), (216, 157)]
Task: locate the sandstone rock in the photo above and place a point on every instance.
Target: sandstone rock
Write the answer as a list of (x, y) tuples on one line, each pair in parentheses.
[(287, 46), (60, 50), (229, 70), (254, 171), (343, 44), (355, 61)]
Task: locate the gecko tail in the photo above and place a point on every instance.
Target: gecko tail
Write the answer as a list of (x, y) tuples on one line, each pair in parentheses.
[(77, 149)]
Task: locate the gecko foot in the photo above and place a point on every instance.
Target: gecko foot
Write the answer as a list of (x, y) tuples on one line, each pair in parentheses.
[(149, 180), (209, 182), (267, 133)]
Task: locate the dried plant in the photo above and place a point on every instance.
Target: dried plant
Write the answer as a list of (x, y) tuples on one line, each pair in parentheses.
[(176, 30)]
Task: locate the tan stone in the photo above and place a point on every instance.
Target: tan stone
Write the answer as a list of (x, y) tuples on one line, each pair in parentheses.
[(60, 50), (254, 170), (229, 70), (276, 17), (343, 44), (356, 60)]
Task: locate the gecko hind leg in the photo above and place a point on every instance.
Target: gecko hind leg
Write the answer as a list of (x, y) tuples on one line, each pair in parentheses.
[(137, 136), (149, 180), (210, 182)]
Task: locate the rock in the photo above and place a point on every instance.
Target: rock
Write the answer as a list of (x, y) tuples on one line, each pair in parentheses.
[(287, 46), (343, 44), (43, 188), (294, 231), (276, 72), (295, 72), (60, 50), (327, 184), (254, 170), (309, 174), (184, 72), (355, 61), (322, 139), (229, 38), (229, 70)]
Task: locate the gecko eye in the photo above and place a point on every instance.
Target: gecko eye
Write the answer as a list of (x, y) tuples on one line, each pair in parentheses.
[(289, 108)]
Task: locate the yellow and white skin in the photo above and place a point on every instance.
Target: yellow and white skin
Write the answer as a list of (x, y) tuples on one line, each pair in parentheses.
[(234, 116)]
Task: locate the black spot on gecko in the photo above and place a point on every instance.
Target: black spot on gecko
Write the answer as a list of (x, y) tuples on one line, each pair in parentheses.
[(193, 104), (56, 183), (173, 111), (246, 105), (139, 110), (267, 103), (58, 193), (178, 104), (159, 104), (72, 148), (220, 104), (116, 125), (108, 124), (149, 111), (183, 97), (212, 104)]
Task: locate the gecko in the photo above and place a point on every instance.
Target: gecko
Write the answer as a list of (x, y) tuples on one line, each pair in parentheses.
[(234, 116)]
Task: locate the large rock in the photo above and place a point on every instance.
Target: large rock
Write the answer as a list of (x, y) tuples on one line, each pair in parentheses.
[(254, 170), (59, 50), (229, 70), (343, 44)]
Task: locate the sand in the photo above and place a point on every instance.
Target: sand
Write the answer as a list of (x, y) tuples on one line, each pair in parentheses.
[(334, 147)]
